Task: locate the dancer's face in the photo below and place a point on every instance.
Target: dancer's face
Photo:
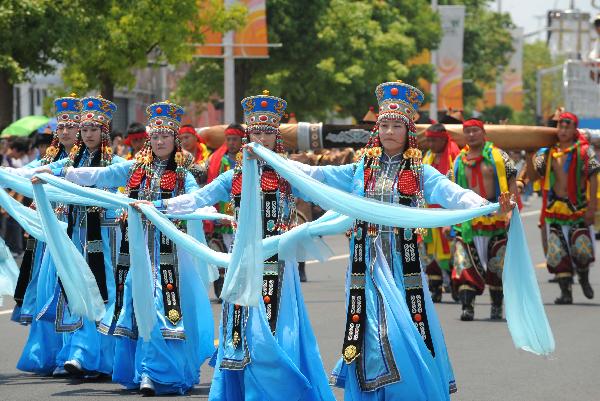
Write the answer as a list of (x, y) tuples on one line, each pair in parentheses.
[(67, 135), (475, 136), (189, 142), (392, 135), (137, 144), (92, 137), (437, 145), (234, 143), (163, 144), (566, 131), (267, 139)]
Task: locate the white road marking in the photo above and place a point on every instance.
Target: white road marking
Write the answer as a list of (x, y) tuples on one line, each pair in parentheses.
[(338, 257), (5, 312), (531, 213)]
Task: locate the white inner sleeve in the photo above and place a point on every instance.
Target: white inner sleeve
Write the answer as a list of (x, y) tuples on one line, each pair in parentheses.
[(182, 204), (84, 176)]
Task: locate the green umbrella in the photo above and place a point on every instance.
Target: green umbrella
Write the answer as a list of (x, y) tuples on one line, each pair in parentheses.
[(25, 126)]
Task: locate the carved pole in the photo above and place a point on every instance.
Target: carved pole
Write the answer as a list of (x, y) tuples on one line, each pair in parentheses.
[(308, 136)]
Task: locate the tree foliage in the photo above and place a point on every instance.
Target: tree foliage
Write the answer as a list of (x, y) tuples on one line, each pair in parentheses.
[(536, 56), (30, 42), (115, 37), (334, 54)]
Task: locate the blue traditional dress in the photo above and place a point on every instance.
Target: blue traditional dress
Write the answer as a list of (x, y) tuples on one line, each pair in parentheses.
[(269, 351), (95, 233), (43, 342), (182, 338), (394, 347)]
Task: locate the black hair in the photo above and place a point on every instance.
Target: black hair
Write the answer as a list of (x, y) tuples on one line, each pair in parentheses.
[(236, 126), (20, 144), (597, 22), (437, 127), (42, 139), (136, 127), (115, 134)]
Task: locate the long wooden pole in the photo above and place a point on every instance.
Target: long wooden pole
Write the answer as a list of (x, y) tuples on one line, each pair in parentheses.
[(305, 136)]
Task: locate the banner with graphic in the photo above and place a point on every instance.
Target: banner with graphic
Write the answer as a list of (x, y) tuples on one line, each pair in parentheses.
[(512, 80), (450, 58), (249, 41)]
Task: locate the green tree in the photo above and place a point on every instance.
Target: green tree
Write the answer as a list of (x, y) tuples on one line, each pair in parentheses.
[(537, 56), (118, 36), (497, 114), (334, 54), (488, 45), (31, 34)]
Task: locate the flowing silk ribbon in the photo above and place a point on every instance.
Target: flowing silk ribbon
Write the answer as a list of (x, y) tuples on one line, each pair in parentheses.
[(75, 275), (529, 325), (9, 272), (243, 281)]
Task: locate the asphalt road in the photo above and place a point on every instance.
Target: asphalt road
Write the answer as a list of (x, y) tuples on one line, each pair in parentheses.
[(486, 364)]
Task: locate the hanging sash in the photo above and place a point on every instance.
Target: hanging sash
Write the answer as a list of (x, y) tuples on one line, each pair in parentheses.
[(25, 271), (356, 309), (271, 276), (406, 241), (121, 271), (169, 276), (95, 251)]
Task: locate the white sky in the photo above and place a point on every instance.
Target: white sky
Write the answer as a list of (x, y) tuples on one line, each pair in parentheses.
[(524, 12)]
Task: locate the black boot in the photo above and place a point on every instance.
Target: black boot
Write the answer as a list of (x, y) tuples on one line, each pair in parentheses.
[(454, 293), (496, 312), (302, 272), (584, 280), (566, 295), (467, 298), (435, 287)]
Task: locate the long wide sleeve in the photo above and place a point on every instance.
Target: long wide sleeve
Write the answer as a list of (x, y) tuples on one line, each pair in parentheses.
[(440, 190), (111, 176), (339, 177), (218, 190)]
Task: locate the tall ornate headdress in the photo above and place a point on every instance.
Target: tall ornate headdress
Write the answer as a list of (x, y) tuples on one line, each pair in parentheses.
[(163, 118), (397, 102)]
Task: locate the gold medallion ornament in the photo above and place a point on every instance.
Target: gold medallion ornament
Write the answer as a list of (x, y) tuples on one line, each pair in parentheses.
[(236, 338), (174, 316), (350, 353)]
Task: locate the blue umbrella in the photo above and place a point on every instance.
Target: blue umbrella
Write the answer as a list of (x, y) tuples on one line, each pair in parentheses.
[(51, 124)]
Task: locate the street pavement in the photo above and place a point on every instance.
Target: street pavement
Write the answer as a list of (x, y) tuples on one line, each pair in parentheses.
[(486, 364)]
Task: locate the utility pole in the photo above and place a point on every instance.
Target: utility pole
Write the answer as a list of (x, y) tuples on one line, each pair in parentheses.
[(499, 86), (229, 74), (433, 106)]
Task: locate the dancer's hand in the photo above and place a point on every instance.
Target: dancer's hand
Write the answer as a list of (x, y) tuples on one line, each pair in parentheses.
[(251, 155), (43, 169), (446, 231), (136, 204), (507, 202)]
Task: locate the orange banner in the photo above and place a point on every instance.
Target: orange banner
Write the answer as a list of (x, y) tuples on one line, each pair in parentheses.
[(249, 41)]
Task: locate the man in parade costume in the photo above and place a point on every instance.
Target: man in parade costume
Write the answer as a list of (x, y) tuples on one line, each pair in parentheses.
[(480, 243), (393, 344), (267, 351), (183, 335), (192, 142), (85, 351), (135, 139), (43, 343), (566, 169), (435, 246)]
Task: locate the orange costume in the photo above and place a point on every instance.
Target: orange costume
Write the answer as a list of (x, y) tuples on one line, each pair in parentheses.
[(435, 246)]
